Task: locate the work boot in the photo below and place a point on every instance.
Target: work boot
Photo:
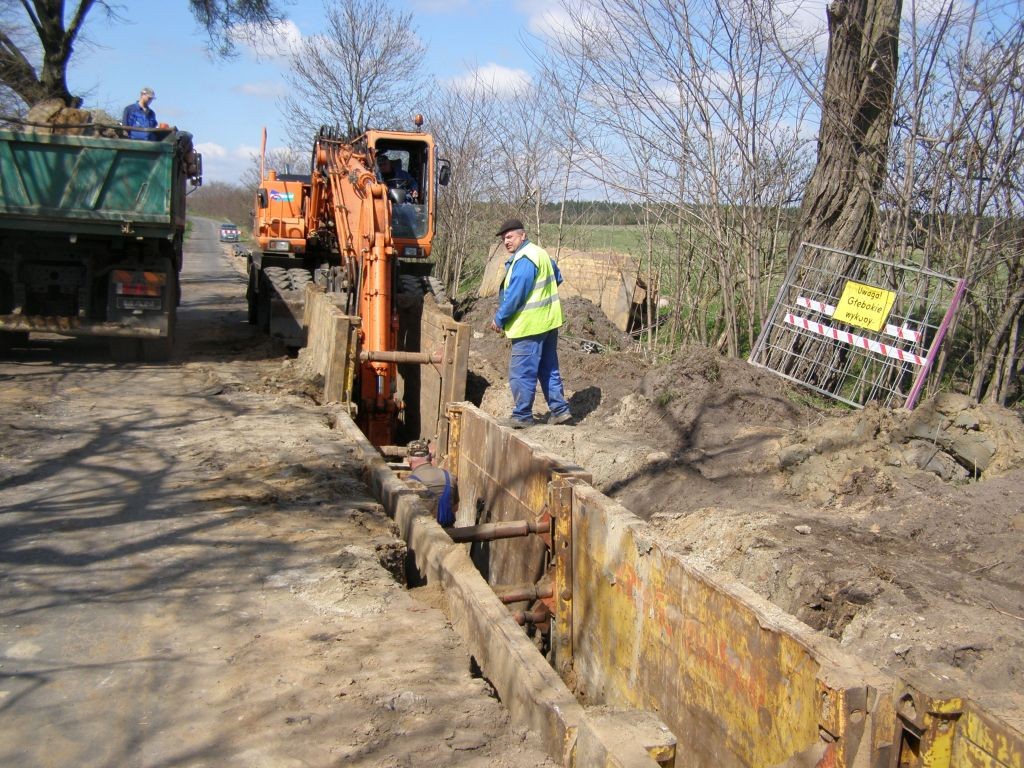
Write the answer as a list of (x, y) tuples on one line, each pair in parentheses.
[(514, 423), (562, 418)]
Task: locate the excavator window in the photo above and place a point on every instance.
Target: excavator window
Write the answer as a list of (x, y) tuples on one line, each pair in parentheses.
[(402, 166)]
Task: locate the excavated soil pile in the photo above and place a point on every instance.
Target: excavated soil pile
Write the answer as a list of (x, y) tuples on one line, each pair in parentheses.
[(897, 533)]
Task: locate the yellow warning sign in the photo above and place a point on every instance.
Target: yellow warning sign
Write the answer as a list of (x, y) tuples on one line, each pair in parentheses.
[(864, 306)]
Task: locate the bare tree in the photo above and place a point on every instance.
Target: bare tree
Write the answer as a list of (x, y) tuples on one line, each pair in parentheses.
[(691, 110), (563, 78), (36, 44), (226, 20), (523, 179), (461, 118), (840, 203), (363, 72), (955, 200)]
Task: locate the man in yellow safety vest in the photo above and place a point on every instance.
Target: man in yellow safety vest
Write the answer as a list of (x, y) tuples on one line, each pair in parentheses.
[(530, 315)]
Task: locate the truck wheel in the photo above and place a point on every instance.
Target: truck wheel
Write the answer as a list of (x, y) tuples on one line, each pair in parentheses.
[(11, 339), (157, 350), (125, 350), (252, 298), (410, 284), (263, 304)]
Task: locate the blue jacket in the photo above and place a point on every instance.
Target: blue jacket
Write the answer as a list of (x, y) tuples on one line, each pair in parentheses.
[(519, 285), (400, 174), (135, 116)]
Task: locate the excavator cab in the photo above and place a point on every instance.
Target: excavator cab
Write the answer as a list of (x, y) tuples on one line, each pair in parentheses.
[(405, 163)]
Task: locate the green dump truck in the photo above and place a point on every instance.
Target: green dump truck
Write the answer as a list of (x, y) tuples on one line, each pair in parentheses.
[(91, 232)]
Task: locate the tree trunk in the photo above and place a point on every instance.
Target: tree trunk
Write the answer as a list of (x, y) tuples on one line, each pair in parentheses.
[(838, 207), (986, 364), (839, 204), (57, 43)]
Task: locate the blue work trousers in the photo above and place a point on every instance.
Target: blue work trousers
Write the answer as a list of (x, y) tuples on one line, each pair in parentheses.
[(535, 358)]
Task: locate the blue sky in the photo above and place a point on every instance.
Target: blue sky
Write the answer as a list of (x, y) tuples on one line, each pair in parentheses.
[(224, 104)]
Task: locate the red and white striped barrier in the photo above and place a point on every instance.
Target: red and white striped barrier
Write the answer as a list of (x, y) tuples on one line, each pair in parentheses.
[(899, 332), (854, 340)]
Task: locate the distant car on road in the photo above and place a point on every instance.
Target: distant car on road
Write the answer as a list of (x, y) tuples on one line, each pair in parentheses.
[(228, 233)]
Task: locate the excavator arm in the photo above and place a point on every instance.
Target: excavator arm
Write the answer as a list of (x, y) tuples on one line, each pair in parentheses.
[(354, 203)]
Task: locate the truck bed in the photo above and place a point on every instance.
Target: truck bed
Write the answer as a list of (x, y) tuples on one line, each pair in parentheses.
[(85, 184)]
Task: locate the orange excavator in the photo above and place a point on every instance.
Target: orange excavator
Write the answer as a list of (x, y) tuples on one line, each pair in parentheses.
[(359, 226)]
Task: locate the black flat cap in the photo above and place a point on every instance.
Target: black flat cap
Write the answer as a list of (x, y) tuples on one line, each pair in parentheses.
[(508, 226)]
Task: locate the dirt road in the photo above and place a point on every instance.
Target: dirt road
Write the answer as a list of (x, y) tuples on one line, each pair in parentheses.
[(193, 573)]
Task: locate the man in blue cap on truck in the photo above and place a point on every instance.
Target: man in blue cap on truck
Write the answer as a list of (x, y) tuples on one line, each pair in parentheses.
[(139, 115)]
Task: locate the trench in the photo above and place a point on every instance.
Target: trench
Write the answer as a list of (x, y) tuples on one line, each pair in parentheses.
[(617, 650)]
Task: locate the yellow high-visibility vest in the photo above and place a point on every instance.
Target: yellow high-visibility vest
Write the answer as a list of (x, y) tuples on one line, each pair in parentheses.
[(542, 310)]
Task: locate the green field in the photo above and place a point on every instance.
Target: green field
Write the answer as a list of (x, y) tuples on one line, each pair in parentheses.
[(595, 237)]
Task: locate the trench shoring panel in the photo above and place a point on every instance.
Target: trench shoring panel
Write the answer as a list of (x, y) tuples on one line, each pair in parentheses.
[(502, 477), (732, 676)]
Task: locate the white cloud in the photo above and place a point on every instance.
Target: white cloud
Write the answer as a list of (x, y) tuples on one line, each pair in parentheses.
[(225, 164), (499, 80), (271, 89), (552, 22), (565, 20), (281, 41), (209, 149)]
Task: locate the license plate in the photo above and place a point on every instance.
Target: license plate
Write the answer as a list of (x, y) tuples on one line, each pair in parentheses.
[(125, 302)]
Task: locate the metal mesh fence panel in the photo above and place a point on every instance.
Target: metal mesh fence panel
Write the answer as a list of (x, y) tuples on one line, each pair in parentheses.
[(856, 328)]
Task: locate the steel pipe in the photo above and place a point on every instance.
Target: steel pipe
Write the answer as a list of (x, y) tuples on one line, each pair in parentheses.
[(532, 617), (381, 356), (492, 531), (524, 592)]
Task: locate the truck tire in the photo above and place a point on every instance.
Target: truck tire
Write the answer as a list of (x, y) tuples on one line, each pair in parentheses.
[(263, 303), (299, 278), (124, 350), (252, 297), (157, 350), (411, 285), (11, 339)]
